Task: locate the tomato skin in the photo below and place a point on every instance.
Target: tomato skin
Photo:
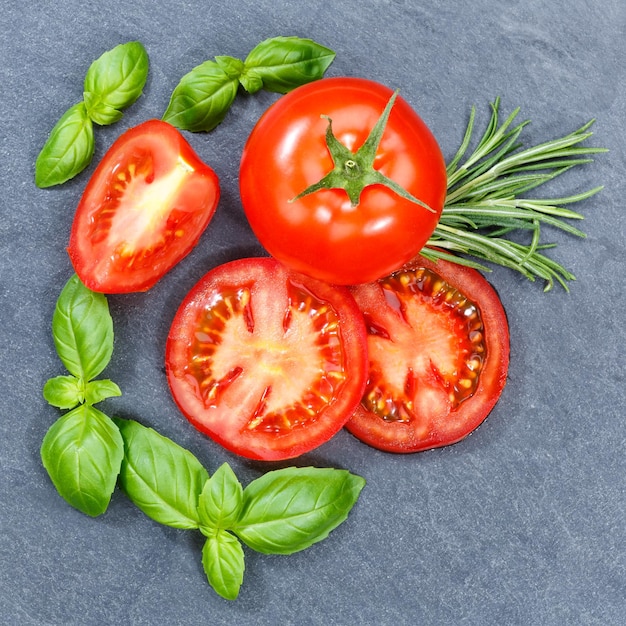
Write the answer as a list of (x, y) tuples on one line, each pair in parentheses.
[(267, 362), (439, 424), (143, 210), (321, 234)]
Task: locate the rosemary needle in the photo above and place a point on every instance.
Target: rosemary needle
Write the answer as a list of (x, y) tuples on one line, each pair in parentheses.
[(485, 201)]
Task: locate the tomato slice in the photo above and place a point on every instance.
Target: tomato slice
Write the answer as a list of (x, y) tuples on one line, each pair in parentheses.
[(438, 343), (143, 210), (267, 362)]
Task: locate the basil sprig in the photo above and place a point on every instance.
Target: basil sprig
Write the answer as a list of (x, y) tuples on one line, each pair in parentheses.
[(82, 451), (86, 454), (113, 82), (281, 512), (202, 98)]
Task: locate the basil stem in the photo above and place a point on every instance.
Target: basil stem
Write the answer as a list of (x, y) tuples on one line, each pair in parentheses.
[(68, 149)]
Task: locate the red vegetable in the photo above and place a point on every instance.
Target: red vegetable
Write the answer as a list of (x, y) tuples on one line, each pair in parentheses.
[(438, 344), (143, 210), (343, 236), (268, 363)]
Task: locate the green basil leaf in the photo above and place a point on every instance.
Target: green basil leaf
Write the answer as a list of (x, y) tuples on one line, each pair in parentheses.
[(64, 392), (82, 330), (220, 501), (114, 81), (82, 452), (288, 510), (281, 64), (68, 150), (202, 98), (99, 390), (223, 562), (163, 479)]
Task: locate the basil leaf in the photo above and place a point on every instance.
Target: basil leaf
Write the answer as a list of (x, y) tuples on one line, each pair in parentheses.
[(82, 330), (64, 392), (283, 63), (99, 390), (161, 478), (68, 150), (223, 562), (220, 501), (288, 510), (114, 81), (202, 98), (82, 452)]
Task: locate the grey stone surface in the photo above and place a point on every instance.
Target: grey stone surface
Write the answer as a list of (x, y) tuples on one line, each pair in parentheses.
[(521, 523)]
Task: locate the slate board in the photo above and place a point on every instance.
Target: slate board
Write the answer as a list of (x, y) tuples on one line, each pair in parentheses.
[(521, 523)]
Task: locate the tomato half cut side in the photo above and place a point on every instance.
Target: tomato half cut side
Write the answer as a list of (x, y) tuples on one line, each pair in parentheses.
[(438, 342), (143, 210), (267, 362)]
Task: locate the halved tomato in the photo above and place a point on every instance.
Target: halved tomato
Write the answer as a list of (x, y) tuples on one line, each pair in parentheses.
[(267, 362), (143, 210), (438, 342)]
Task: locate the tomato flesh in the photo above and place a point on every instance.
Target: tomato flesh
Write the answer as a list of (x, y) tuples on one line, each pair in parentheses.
[(438, 346), (268, 363), (144, 209), (322, 234)]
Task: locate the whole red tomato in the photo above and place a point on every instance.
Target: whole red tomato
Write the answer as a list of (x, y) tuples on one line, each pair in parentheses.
[(367, 216)]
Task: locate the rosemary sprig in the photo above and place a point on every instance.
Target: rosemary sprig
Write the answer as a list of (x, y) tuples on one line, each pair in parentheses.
[(486, 200)]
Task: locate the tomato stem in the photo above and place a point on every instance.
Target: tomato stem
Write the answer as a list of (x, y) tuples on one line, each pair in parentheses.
[(354, 171)]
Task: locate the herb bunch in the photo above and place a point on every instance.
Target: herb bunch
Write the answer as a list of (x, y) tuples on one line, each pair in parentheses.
[(485, 202)]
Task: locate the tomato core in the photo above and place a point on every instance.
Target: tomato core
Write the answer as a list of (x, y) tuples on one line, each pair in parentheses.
[(306, 346)]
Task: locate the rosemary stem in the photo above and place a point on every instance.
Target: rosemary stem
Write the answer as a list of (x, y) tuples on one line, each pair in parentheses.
[(484, 207)]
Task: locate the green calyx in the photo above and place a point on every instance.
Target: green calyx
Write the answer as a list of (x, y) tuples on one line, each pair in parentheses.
[(354, 171)]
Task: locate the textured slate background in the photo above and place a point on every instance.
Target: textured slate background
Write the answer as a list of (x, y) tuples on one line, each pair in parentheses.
[(522, 523)]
